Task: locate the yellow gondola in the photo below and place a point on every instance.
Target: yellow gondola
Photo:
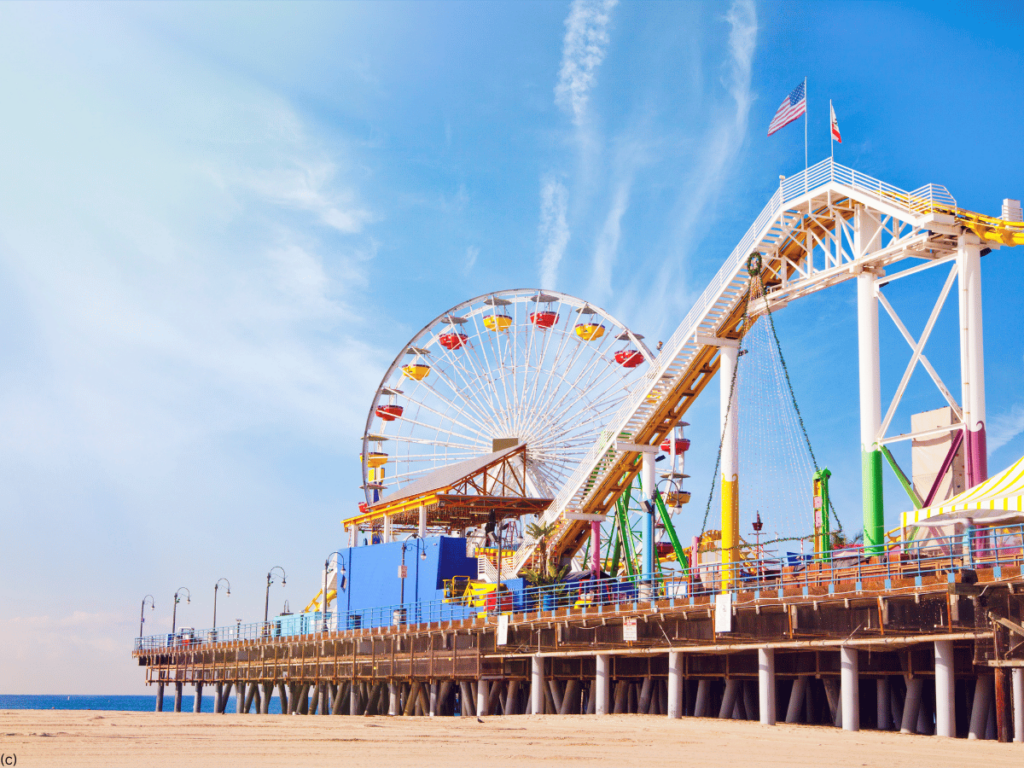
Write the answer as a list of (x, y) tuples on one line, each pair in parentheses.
[(497, 322), (416, 371), (376, 459), (589, 331), (677, 498)]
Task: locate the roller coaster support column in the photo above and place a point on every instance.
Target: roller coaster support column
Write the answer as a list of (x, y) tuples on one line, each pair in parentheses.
[(866, 239), (972, 358), (648, 478), (730, 464), (595, 548)]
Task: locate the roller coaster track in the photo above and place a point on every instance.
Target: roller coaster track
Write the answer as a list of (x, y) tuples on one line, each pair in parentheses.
[(807, 237)]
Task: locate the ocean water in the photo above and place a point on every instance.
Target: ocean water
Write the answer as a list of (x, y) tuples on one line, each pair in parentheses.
[(121, 703)]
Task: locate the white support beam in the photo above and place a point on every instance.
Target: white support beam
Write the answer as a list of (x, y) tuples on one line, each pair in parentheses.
[(623, 447), (918, 348), (924, 360), (715, 341)]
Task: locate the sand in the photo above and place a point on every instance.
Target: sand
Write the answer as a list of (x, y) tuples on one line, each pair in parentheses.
[(63, 738)]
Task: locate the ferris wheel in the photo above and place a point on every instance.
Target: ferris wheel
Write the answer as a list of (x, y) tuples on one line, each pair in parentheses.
[(520, 367)]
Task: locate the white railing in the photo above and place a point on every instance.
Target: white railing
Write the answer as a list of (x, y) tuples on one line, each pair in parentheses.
[(804, 183)]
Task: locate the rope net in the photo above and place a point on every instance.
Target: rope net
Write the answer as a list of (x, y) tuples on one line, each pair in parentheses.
[(776, 460)]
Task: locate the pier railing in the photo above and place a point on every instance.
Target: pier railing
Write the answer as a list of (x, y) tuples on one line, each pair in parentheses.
[(841, 572)]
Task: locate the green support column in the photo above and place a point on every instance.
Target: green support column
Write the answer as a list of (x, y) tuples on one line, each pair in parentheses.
[(874, 509)]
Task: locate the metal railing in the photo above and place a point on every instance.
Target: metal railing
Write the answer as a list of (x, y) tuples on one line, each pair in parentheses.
[(848, 568)]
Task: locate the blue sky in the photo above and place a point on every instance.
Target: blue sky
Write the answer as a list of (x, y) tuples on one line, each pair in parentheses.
[(220, 222)]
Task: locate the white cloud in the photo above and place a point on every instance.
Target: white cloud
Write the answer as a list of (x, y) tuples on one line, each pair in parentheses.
[(608, 243), (309, 188), (553, 231), (583, 50), (723, 141), (1005, 427), (742, 17), (471, 254)]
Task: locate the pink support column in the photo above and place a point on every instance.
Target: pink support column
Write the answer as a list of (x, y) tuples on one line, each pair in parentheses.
[(972, 359), (595, 547)]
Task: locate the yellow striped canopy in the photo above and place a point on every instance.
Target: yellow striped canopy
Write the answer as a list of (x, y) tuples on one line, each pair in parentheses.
[(999, 499)]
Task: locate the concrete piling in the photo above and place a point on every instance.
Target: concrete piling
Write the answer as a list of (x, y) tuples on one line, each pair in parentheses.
[(177, 696), (197, 700), (850, 688), (700, 705), (980, 708), (766, 685), (250, 696), (732, 687), (882, 717), (481, 698), (537, 685), (602, 683), (159, 697), (675, 684), (911, 705)]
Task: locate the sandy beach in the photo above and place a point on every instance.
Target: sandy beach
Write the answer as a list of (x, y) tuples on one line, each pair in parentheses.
[(41, 738)]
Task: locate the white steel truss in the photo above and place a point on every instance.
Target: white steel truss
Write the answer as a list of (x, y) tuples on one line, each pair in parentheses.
[(806, 236)]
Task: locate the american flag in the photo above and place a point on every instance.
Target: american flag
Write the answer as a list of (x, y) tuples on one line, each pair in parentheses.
[(792, 107)]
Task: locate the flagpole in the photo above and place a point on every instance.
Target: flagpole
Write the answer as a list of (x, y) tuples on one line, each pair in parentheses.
[(831, 134), (806, 166)]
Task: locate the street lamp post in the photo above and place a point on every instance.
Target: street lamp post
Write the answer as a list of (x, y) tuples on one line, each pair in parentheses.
[(403, 570), (215, 588), (323, 606), (284, 581), (142, 613), (177, 599)]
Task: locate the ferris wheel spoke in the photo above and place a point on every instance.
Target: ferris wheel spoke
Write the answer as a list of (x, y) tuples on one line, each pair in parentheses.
[(556, 375), (595, 411), (477, 406), (438, 427), (499, 360), (468, 395), (573, 389), (427, 441), (463, 411), (556, 364), (574, 385)]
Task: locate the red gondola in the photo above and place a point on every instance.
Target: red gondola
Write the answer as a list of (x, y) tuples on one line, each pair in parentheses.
[(682, 445), (629, 358), (453, 340), (390, 412), (544, 319)]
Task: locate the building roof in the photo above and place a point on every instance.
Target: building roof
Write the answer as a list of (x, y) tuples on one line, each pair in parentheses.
[(445, 477)]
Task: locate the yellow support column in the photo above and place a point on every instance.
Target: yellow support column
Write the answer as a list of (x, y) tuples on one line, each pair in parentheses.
[(730, 464)]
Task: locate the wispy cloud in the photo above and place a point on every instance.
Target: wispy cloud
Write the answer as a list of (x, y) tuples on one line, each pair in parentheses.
[(723, 141), (583, 50), (554, 230), (607, 248), (742, 17), (471, 253), (312, 187), (1005, 427)]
